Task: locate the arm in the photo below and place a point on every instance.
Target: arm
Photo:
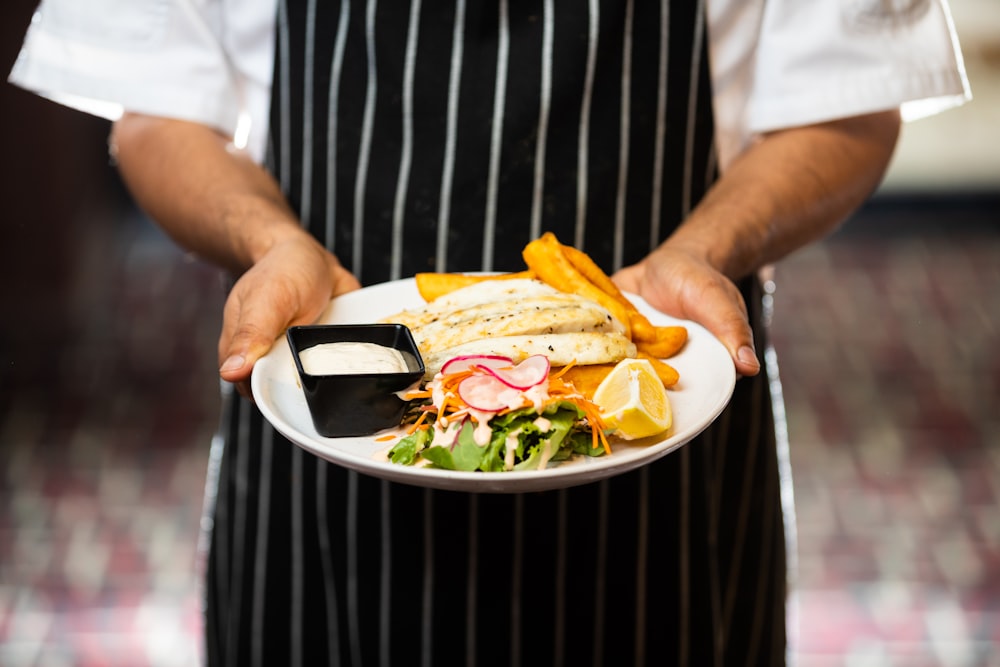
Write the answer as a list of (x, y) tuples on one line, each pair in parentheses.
[(790, 188), (218, 203)]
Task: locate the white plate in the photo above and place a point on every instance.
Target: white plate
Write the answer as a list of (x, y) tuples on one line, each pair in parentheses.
[(707, 379)]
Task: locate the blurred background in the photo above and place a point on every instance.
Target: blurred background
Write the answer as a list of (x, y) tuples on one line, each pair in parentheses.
[(887, 335)]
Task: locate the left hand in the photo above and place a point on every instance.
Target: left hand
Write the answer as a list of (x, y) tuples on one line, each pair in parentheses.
[(291, 284), (684, 285)]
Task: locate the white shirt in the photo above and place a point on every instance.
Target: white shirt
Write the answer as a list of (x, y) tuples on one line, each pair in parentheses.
[(775, 63)]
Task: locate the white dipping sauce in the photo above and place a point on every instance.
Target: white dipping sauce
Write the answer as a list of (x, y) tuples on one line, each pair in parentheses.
[(347, 358)]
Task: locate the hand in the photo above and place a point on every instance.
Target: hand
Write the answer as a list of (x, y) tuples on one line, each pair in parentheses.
[(290, 285), (684, 285)]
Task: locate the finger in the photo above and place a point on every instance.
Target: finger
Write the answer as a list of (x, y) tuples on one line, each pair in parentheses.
[(343, 280), (242, 345), (629, 279), (251, 324), (715, 303), (724, 315)]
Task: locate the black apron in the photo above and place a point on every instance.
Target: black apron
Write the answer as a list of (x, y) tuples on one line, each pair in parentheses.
[(445, 136)]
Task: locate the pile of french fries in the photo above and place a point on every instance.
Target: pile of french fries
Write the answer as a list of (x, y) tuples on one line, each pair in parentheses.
[(571, 270)]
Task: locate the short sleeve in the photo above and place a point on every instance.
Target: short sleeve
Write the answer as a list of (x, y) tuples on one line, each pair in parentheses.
[(818, 61), (160, 57)]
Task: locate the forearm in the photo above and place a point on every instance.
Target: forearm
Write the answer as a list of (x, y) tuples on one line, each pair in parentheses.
[(790, 188), (211, 199)]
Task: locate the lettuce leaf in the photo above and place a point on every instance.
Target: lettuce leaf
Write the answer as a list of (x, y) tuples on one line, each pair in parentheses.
[(406, 451)]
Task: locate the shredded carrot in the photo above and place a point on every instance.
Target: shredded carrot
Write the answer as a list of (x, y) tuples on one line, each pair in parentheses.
[(562, 370), (416, 424), (386, 438), (559, 391)]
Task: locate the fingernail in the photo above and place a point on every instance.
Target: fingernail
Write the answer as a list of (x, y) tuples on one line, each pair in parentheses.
[(746, 355), (233, 363)]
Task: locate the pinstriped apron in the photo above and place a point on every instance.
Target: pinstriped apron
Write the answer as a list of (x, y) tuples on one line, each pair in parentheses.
[(445, 136)]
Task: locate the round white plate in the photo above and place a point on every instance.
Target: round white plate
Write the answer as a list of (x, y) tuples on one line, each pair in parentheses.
[(707, 380)]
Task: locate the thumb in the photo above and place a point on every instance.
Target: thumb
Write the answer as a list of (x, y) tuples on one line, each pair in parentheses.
[(738, 339), (730, 326), (247, 334)]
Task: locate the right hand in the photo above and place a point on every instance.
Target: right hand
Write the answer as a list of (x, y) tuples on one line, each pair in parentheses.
[(290, 285), (683, 284)]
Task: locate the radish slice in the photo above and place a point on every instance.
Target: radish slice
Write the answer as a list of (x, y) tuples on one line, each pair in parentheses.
[(465, 362), (530, 372), (482, 392)]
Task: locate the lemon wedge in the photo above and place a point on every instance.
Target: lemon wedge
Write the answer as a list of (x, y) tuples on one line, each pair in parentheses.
[(633, 401)]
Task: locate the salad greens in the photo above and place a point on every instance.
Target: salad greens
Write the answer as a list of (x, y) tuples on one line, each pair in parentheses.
[(559, 434)]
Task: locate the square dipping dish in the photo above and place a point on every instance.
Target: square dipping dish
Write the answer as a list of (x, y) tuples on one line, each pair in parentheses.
[(354, 389)]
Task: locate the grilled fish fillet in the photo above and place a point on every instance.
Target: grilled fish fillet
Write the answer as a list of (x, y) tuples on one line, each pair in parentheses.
[(561, 349), (515, 318), (479, 295)]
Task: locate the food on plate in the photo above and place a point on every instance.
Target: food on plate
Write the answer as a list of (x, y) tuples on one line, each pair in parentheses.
[(586, 378), (667, 342), (634, 403), (546, 258), (489, 342), (561, 349), (572, 271), (351, 357), (486, 413), (668, 374), (642, 330), (433, 285), (515, 318)]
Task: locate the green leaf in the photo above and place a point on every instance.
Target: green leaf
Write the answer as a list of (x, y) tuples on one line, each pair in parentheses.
[(465, 454), (405, 451), (563, 438)]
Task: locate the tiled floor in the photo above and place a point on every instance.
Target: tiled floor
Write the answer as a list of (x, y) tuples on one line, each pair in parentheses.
[(887, 341), (104, 438), (887, 338)]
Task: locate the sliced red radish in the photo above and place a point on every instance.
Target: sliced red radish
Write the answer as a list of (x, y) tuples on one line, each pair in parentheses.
[(482, 392), (530, 372), (465, 362)]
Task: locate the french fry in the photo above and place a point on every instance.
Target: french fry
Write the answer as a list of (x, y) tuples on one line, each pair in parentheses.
[(642, 329), (639, 324), (666, 343), (546, 258), (432, 285), (668, 374), (586, 379)]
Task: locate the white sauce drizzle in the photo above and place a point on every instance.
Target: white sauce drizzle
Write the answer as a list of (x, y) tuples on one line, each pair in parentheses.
[(544, 425), (510, 449)]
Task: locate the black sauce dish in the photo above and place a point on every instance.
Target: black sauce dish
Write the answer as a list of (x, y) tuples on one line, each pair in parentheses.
[(356, 403)]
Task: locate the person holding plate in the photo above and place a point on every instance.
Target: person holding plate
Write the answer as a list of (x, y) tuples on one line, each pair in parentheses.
[(310, 148)]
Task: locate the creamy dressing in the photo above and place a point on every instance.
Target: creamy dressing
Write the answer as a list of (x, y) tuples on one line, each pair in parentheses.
[(483, 431), (445, 433), (351, 357), (445, 428), (510, 449), (548, 451)]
